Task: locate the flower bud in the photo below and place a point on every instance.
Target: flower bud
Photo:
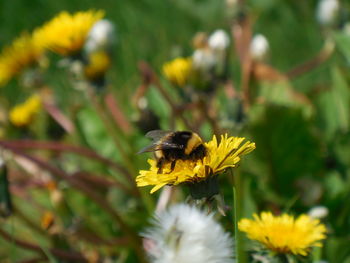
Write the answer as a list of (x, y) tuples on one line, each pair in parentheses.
[(327, 11), (101, 36), (219, 40), (318, 212), (259, 47)]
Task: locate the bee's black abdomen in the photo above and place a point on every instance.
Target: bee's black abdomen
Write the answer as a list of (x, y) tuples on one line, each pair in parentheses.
[(198, 153), (179, 138), (174, 154)]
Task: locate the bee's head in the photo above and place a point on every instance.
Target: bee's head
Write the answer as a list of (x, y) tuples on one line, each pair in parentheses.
[(193, 142)]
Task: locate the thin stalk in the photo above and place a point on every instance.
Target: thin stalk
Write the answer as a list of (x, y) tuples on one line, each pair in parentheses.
[(61, 147), (242, 34), (314, 62), (21, 216), (149, 205), (116, 114), (173, 105), (34, 260), (153, 79), (235, 218), (62, 254), (113, 133), (204, 107), (237, 202), (316, 254)]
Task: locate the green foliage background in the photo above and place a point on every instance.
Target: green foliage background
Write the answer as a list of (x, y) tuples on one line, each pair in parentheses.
[(302, 157)]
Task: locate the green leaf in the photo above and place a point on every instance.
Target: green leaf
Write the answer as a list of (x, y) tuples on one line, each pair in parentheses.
[(282, 93), (337, 249), (335, 185), (286, 147), (343, 44), (334, 105), (94, 133)]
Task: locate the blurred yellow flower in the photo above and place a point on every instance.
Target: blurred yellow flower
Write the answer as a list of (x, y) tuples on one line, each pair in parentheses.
[(219, 157), (23, 114), (22, 53), (178, 70), (99, 62), (47, 220), (283, 234), (66, 33)]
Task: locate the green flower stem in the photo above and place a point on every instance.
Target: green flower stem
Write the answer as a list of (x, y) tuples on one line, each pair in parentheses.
[(237, 208), (235, 218), (316, 254), (204, 105), (291, 259)]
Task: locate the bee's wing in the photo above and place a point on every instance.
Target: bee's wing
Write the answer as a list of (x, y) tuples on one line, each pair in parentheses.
[(156, 135), (156, 146), (150, 148)]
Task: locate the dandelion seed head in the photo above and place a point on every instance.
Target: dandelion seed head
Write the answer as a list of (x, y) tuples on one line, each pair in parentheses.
[(180, 235), (327, 11), (318, 212), (259, 47), (219, 40), (101, 36), (204, 59)]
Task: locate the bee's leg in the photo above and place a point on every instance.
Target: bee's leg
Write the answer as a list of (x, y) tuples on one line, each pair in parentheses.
[(160, 163), (172, 166)]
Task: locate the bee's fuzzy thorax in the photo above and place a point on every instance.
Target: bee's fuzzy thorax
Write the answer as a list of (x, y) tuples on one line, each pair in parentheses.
[(193, 143)]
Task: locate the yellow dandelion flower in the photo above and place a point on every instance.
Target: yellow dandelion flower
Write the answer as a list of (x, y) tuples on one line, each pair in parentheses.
[(99, 62), (283, 234), (219, 157), (23, 114), (66, 33), (22, 53), (178, 70)]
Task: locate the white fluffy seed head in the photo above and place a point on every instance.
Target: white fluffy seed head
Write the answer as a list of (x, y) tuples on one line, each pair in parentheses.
[(318, 212), (184, 234), (259, 47), (219, 40), (101, 36), (327, 11), (203, 59)]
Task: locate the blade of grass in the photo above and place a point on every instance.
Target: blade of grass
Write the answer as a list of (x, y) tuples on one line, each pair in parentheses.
[(67, 255), (60, 147)]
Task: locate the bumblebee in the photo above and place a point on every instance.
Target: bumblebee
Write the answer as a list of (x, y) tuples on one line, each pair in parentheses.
[(170, 146)]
